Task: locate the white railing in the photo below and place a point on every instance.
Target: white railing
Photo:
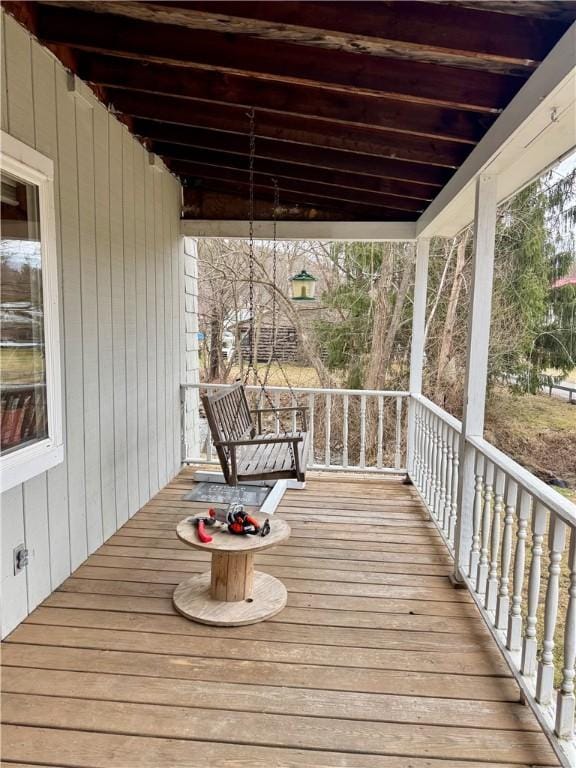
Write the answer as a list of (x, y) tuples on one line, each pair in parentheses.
[(521, 561), (350, 430), (436, 462)]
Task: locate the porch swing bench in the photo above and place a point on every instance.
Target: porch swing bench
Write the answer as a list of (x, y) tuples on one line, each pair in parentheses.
[(244, 451)]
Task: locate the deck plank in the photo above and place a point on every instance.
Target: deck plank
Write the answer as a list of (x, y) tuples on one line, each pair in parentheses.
[(104, 750), (288, 731), (376, 662)]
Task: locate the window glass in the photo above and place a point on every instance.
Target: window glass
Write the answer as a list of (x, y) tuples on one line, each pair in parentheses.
[(22, 353)]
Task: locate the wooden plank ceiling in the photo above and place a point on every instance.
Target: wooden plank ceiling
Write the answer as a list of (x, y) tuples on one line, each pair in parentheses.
[(363, 110)]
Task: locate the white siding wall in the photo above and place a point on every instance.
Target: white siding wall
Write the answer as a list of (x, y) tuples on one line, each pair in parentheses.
[(121, 295), (190, 370)]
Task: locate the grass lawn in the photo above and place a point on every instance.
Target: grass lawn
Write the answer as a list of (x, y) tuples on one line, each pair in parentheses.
[(537, 431), (21, 365), (297, 375)]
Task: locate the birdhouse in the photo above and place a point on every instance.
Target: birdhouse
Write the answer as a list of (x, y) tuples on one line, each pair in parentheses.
[(303, 286)]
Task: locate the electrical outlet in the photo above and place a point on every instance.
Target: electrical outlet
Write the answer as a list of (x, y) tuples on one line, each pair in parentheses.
[(20, 558)]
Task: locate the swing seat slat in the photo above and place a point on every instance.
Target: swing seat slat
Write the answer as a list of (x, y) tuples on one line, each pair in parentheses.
[(246, 454)]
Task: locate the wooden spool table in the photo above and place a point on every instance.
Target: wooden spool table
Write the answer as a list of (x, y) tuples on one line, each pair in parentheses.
[(232, 593)]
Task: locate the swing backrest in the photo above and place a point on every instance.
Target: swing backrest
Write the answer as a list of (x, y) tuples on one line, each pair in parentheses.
[(229, 418)]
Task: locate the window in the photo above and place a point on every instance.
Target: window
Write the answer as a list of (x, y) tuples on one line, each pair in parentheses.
[(30, 396)]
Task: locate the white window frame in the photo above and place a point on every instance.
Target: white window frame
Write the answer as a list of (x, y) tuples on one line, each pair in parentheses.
[(28, 165)]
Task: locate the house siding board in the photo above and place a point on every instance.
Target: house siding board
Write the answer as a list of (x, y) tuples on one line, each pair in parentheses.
[(149, 174), (160, 331), (37, 537), (89, 301), (118, 318), (177, 324), (45, 107), (141, 323), (130, 322), (104, 294), (191, 362), (19, 73), (14, 587), (117, 255), (69, 276), (168, 328)]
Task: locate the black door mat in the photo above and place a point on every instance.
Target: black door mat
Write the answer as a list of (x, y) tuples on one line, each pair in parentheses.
[(249, 495)]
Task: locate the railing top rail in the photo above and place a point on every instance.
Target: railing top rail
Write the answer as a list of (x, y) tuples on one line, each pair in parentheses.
[(563, 387), (306, 390), (440, 412), (550, 498)]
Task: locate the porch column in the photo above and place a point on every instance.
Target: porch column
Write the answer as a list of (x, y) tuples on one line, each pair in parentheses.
[(476, 362), (417, 346)]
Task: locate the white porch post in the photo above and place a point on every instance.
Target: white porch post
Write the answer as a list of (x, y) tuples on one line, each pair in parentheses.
[(417, 346), (476, 362)]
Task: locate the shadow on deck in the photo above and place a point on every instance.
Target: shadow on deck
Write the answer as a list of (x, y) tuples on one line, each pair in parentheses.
[(376, 662)]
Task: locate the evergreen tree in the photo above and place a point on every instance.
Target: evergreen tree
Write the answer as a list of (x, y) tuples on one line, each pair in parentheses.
[(535, 248)]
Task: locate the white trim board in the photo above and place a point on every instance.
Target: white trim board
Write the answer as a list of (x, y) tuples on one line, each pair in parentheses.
[(536, 129), (32, 167), (303, 230)]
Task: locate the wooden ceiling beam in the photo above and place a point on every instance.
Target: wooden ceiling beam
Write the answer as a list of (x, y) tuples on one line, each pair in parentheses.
[(286, 98), (422, 151), (273, 60), (555, 10), (221, 203), (298, 130), (267, 169), (306, 189), (417, 30), (358, 166)]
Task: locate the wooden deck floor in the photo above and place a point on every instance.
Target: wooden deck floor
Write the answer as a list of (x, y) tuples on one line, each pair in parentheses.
[(376, 662)]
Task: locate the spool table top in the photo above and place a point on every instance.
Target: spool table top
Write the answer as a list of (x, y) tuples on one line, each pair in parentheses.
[(223, 541)]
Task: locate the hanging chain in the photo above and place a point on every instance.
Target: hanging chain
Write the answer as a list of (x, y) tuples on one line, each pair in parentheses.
[(251, 278), (251, 244)]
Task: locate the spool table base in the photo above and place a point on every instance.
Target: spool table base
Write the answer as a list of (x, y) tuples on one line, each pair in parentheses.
[(193, 599)]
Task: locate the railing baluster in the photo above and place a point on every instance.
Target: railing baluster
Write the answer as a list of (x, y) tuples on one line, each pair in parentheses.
[(477, 517), (380, 432), (514, 638), (276, 416), (448, 480), (380, 436), (443, 469), (417, 443), (311, 426), (530, 646), (328, 426), (423, 449), (545, 678), (455, 472), (565, 701), (437, 468), (492, 585), (362, 431), (503, 602), (430, 460), (482, 576), (398, 452), (433, 465), (208, 441), (345, 406)]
